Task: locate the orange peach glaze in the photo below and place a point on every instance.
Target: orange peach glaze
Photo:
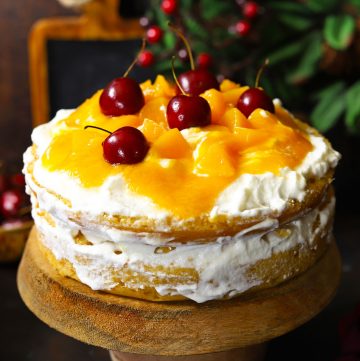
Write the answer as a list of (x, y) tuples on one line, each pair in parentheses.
[(188, 182)]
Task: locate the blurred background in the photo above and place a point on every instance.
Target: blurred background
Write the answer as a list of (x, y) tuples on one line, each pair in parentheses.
[(79, 46)]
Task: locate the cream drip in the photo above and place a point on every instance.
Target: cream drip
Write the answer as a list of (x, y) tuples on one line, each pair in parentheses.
[(225, 274)]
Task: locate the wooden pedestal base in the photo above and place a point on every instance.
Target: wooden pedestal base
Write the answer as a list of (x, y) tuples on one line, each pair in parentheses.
[(222, 330), (250, 353)]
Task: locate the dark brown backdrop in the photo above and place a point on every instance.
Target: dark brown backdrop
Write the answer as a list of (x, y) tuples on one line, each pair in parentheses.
[(16, 18)]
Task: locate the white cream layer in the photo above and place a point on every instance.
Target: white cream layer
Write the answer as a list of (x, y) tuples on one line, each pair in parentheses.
[(221, 265), (248, 196)]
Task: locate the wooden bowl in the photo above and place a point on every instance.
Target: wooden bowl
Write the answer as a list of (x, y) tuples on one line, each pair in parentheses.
[(12, 241)]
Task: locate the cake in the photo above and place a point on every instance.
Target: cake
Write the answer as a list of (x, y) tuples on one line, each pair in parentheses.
[(210, 212)]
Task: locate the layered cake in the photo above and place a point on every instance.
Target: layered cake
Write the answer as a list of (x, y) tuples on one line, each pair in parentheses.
[(231, 202)]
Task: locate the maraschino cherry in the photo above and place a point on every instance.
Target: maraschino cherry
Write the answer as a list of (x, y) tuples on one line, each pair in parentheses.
[(123, 96), (186, 111), (127, 145), (255, 98), (195, 81)]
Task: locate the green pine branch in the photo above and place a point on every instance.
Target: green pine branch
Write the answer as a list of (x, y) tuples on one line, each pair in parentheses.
[(297, 36)]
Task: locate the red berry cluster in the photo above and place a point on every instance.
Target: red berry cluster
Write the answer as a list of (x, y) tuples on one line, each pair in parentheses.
[(13, 200), (250, 10), (154, 33)]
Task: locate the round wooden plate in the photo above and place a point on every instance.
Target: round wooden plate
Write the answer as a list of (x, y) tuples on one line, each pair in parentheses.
[(173, 328)]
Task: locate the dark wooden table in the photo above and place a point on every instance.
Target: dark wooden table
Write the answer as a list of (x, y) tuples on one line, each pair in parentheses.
[(23, 337)]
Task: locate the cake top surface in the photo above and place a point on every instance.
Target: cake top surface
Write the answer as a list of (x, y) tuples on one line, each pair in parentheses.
[(192, 171)]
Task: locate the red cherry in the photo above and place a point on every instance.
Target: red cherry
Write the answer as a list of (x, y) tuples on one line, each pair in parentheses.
[(146, 58), (254, 98), (18, 180), (242, 27), (127, 145), (168, 6), (251, 9), (204, 60), (195, 82), (10, 202), (121, 96), (154, 34), (188, 111)]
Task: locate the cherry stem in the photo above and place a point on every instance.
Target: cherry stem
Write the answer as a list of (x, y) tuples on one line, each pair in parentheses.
[(174, 75), (185, 41), (143, 44), (260, 71), (98, 128)]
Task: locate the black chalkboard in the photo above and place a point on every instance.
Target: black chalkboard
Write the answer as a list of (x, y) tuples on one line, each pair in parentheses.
[(129, 9), (78, 68)]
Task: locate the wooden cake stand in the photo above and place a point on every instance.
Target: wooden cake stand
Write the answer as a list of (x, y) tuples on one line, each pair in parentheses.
[(235, 329)]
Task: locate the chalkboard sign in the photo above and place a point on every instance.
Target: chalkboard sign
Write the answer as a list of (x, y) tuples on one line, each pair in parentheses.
[(133, 8), (76, 69), (72, 57)]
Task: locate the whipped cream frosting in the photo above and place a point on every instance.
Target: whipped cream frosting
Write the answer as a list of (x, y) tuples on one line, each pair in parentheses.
[(250, 195), (223, 275)]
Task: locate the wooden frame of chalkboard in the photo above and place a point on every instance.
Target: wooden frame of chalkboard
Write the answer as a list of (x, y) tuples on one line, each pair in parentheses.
[(99, 23)]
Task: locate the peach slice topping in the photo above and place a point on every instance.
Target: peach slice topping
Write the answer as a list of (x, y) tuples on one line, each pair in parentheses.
[(172, 145), (214, 160), (217, 104), (234, 119), (202, 162), (155, 109), (152, 130)]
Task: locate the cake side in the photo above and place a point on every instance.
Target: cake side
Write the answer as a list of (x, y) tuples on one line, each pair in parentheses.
[(258, 257)]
